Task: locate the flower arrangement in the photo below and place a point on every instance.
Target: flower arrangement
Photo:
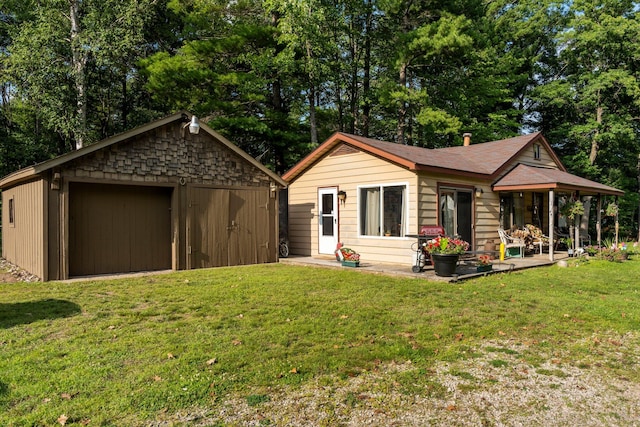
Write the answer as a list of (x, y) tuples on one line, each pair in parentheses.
[(447, 245), (349, 254), (484, 260)]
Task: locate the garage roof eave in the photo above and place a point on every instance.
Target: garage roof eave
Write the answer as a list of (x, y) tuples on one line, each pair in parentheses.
[(33, 171), (274, 176)]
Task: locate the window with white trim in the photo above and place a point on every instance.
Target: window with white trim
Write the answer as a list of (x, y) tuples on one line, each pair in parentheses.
[(536, 151), (383, 210)]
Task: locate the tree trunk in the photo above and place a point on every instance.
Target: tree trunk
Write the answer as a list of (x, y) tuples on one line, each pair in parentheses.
[(79, 62), (312, 115), (594, 141), (125, 102), (354, 84), (402, 107), (366, 82), (312, 97)]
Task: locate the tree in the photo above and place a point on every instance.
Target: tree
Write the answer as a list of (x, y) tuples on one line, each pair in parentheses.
[(232, 71), (591, 97), (75, 40)]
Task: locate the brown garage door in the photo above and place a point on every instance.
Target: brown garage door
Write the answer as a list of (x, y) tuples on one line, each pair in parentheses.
[(118, 228)]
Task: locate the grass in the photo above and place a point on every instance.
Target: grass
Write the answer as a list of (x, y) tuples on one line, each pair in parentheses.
[(119, 352)]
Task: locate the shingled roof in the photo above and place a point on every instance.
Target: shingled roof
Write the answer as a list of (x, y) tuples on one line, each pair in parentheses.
[(524, 177), (486, 160)]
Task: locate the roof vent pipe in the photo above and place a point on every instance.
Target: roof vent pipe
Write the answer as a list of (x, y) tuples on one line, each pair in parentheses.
[(466, 138)]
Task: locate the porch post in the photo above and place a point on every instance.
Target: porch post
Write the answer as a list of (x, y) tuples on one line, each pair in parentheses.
[(617, 224), (551, 245), (576, 228), (599, 223)]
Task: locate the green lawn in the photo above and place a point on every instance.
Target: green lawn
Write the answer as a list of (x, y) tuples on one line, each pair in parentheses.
[(121, 352)]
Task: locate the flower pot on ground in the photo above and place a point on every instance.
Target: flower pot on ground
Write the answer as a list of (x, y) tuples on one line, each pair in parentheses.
[(484, 268), (444, 252), (484, 264), (349, 257), (445, 264), (346, 263)]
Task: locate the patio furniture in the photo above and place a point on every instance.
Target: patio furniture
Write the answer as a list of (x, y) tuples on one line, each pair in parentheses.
[(511, 243), (584, 236), (560, 237)]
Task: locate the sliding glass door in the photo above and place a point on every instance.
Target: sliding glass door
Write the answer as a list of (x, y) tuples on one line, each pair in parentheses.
[(456, 212)]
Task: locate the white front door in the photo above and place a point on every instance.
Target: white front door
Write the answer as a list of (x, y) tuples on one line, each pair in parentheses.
[(328, 220)]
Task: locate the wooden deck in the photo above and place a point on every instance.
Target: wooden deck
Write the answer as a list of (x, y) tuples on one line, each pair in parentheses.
[(466, 268)]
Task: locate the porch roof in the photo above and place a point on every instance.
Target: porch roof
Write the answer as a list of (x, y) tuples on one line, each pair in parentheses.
[(527, 178)]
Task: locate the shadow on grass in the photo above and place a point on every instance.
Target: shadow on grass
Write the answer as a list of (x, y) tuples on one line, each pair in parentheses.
[(21, 313)]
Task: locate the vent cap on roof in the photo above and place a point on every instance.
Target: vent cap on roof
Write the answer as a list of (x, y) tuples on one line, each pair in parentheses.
[(466, 139)]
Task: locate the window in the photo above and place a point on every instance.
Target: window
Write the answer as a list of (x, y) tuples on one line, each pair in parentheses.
[(536, 151), (511, 210), (383, 210), (11, 212)]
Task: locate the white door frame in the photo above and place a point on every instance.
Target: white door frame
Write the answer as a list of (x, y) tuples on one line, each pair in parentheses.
[(327, 220)]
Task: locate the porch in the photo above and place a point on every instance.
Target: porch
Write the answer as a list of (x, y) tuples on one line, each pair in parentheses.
[(559, 204), (466, 268)]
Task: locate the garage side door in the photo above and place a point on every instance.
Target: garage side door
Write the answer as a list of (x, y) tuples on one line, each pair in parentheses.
[(231, 227), (207, 227), (252, 234), (118, 229)]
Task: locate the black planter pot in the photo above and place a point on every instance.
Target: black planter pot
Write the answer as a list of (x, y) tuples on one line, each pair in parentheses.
[(445, 264)]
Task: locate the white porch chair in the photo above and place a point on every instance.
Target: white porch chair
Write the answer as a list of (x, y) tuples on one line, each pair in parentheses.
[(511, 242)]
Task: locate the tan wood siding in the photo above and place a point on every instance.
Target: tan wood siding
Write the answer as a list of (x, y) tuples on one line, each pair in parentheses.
[(486, 206), (231, 227), (23, 242), (527, 158), (53, 232), (118, 228), (346, 172)]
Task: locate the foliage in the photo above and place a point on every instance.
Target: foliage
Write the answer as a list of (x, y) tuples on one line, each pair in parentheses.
[(612, 209), (572, 209), (447, 245), (79, 65), (349, 254), (484, 259), (279, 76), (612, 254)]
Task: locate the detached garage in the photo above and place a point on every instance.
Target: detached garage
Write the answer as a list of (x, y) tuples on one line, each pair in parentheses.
[(154, 198)]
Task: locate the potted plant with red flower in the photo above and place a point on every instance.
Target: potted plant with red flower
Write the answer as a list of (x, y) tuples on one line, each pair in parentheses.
[(484, 263), (444, 252), (350, 258)]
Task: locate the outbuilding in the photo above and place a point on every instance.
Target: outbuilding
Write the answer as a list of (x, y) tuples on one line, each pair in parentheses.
[(161, 196)]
